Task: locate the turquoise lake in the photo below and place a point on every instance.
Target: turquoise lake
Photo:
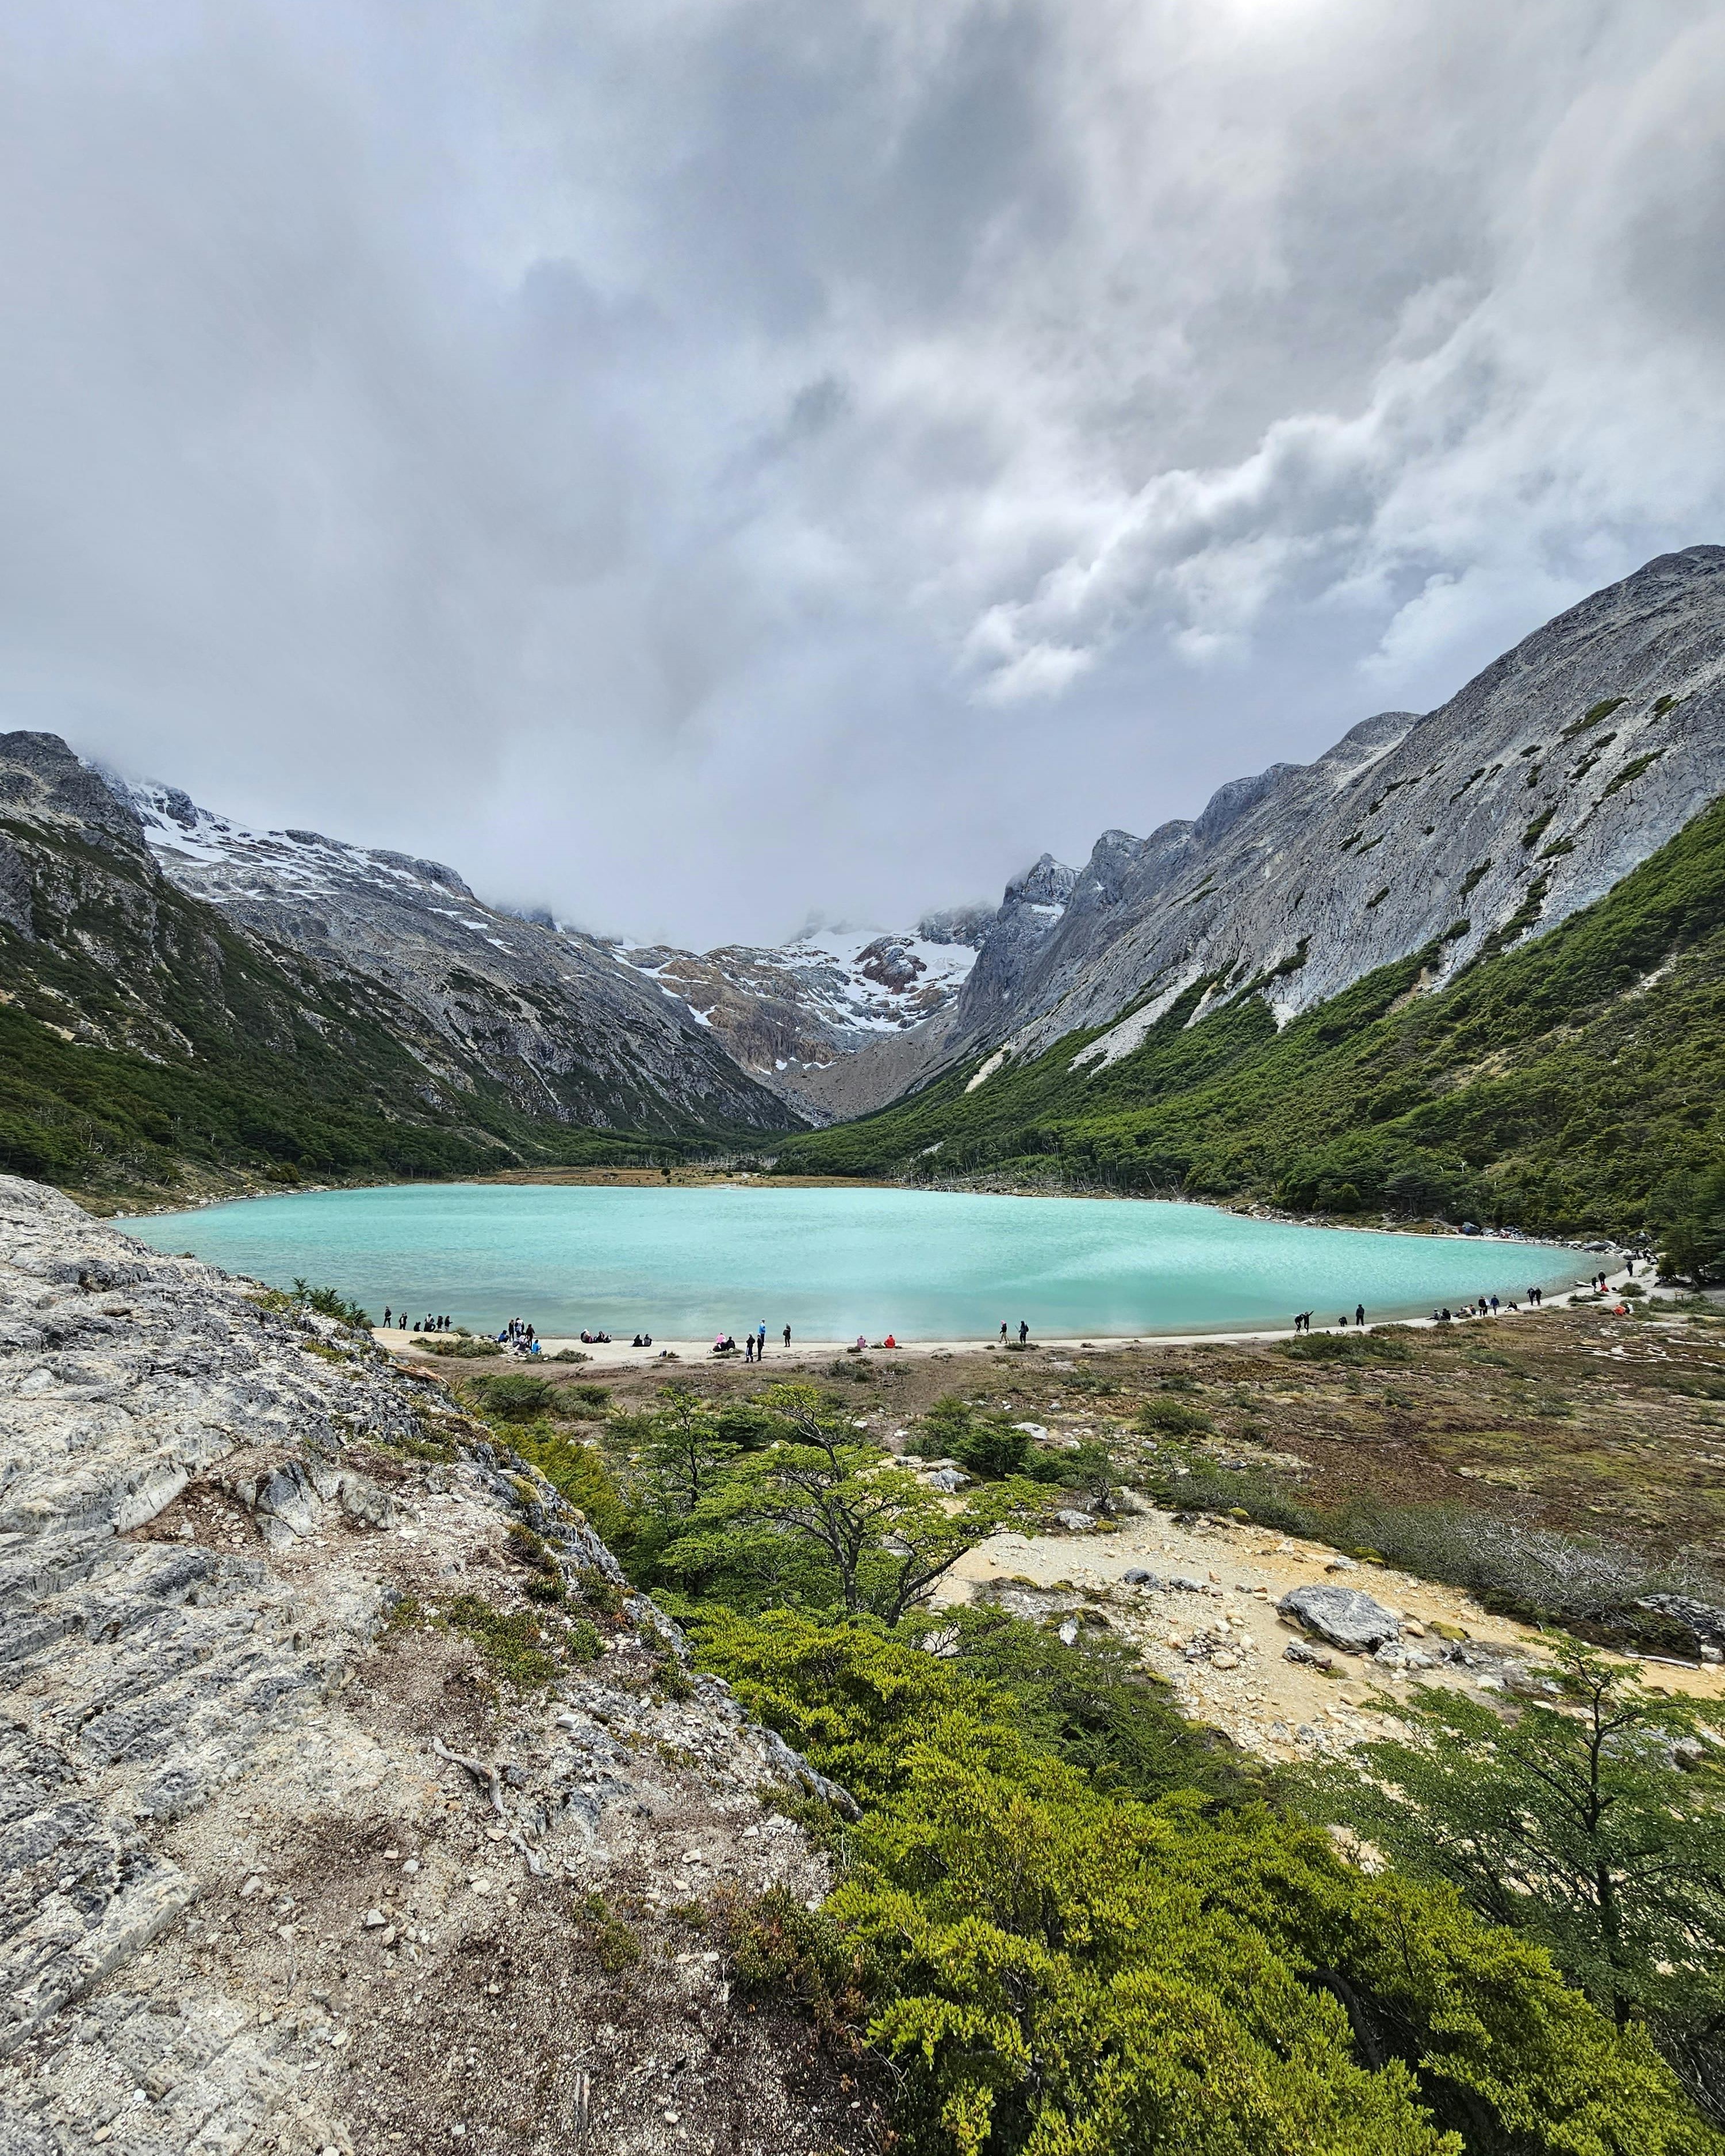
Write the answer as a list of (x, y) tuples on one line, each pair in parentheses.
[(833, 1263)]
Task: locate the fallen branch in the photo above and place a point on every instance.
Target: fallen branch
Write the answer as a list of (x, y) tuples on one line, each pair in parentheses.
[(487, 1776)]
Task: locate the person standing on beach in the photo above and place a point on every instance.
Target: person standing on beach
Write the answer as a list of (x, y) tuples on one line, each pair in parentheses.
[(1003, 1332), (761, 1341), (788, 1335), (1360, 1313), (1023, 1332)]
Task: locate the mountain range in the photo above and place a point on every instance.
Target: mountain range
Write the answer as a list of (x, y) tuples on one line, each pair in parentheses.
[(1434, 844)]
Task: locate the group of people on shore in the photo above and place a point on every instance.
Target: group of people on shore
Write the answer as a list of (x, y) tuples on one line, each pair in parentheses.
[(427, 1324), (520, 1337), (754, 1344)]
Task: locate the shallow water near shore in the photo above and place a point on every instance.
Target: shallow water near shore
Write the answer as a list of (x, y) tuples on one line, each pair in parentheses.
[(833, 1263)]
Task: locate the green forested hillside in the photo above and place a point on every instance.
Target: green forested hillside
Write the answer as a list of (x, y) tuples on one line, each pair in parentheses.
[(1572, 1084)]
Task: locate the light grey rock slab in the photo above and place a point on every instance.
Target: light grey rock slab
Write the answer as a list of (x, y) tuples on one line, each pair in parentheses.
[(1345, 1616)]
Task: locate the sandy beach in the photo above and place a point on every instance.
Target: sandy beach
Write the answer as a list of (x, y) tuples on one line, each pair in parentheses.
[(620, 1355)]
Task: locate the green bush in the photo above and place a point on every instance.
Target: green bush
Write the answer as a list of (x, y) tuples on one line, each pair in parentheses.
[(988, 1444), (1171, 1418), (331, 1302), (1058, 1969), (1578, 1821), (513, 1395), (1378, 1347)]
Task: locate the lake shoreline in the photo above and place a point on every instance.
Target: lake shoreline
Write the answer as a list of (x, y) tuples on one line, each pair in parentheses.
[(621, 1354)]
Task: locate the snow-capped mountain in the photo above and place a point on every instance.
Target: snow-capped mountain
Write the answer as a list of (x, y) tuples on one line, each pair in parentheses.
[(794, 1015)]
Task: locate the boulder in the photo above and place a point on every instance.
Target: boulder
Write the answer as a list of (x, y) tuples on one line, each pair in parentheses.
[(1345, 1616)]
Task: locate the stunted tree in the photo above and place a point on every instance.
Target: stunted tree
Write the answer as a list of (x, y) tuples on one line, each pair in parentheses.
[(885, 1539), (1590, 1818), (683, 1448)]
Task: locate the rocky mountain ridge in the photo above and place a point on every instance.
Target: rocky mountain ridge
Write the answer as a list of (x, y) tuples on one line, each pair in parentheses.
[(1517, 803), (546, 1013), (521, 993), (1526, 797), (289, 1859)]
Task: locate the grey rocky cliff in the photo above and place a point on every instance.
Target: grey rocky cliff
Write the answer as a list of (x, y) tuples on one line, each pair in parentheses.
[(282, 1865), (547, 1014), (1525, 798)]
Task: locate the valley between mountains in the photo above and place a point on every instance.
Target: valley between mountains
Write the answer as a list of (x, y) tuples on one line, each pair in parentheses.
[(1463, 966)]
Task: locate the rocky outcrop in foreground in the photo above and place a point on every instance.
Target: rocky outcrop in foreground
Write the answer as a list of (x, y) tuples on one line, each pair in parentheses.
[(317, 1829)]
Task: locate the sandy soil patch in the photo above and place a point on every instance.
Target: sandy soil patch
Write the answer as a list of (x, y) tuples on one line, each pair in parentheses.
[(1278, 1709)]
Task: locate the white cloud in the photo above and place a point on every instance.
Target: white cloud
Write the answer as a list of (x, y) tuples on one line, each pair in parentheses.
[(690, 459)]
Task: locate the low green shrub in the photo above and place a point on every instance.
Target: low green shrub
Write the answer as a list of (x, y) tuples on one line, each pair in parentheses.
[(616, 1946), (331, 1302), (1171, 1418), (513, 1395), (1382, 1346)]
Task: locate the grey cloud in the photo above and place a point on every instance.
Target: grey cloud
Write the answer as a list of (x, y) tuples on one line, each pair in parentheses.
[(689, 464)]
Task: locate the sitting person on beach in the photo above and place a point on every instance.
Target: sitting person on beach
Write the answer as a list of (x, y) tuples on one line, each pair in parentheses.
[(889, 1342)]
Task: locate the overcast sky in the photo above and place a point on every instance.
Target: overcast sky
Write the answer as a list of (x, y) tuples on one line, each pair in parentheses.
[(694, 463)]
